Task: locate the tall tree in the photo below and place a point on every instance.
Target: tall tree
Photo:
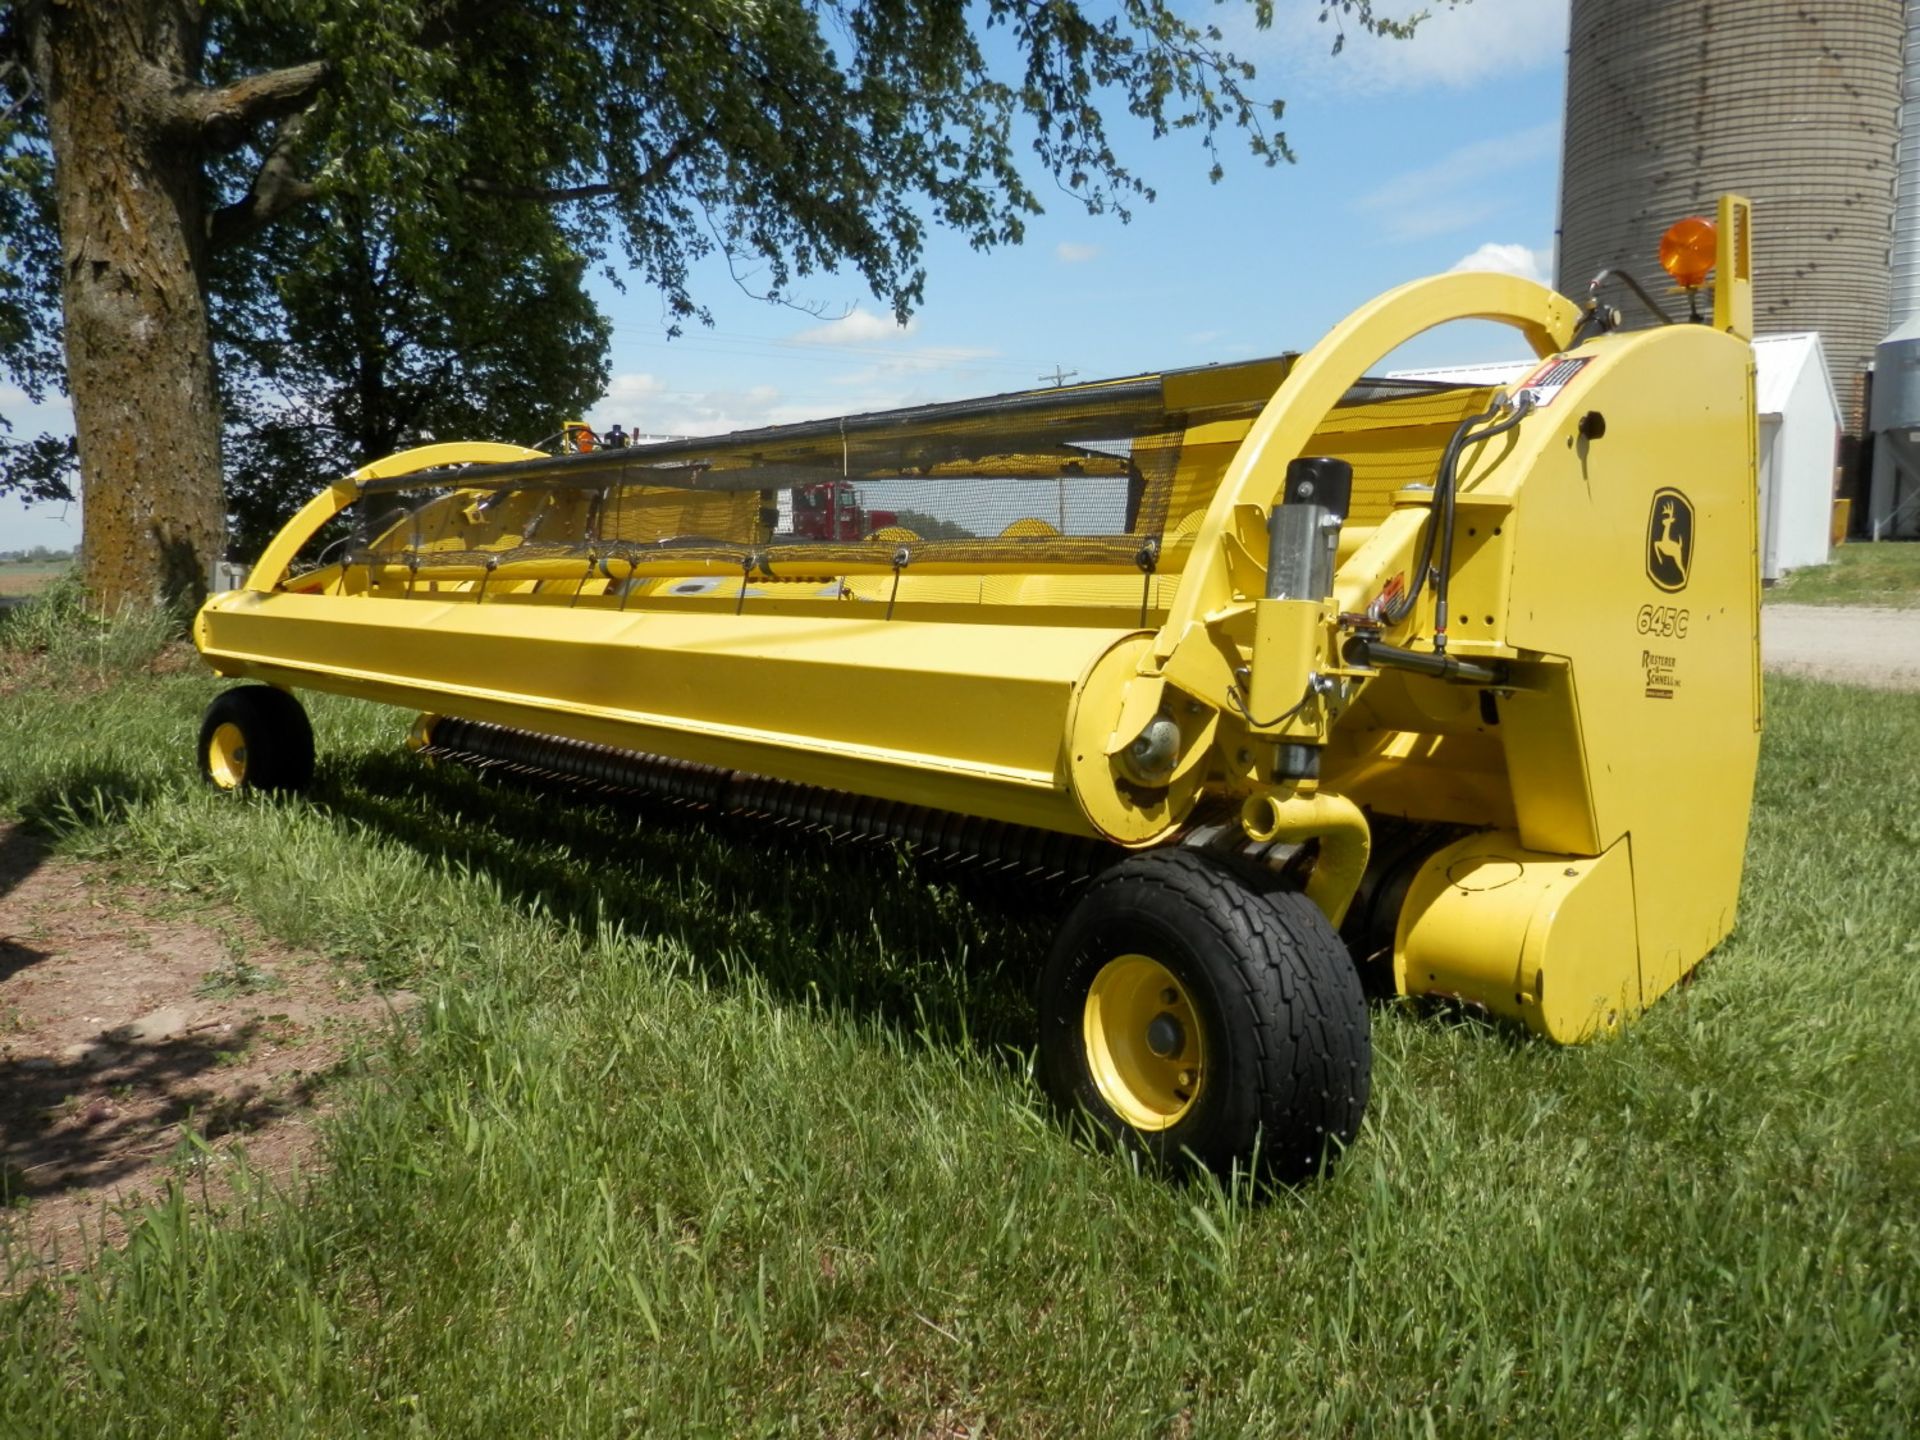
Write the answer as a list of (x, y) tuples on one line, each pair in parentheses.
[(161, 138), (337, 346)]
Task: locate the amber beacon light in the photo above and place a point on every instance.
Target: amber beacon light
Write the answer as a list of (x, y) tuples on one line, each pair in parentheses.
[(1687, 251)]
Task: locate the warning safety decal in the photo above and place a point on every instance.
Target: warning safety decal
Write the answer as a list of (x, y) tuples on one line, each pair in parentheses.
[(1550, 379)]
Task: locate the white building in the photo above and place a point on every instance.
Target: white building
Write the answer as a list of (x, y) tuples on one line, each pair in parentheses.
[(1799, 439), (1799, 447)]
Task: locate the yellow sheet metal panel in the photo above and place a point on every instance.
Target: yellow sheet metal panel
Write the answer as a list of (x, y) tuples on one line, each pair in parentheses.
[(1393, 443), (1635, 562), (970, 717), (1287, 641), (1547, 940), (1212, 386), (1733, 266), (1546, 757), (1482, 565), (1454, 779)]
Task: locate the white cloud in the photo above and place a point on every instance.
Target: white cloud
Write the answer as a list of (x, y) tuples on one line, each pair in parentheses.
[(1457, 191), (859, 326), (633, 387), (917, 362), (1070, 253), (1527, 263), (644, 406), (1454, 47)]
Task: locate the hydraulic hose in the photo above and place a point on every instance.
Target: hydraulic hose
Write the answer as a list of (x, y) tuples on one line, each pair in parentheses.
[(1639, 292), (1442, 479), (1443, 577)]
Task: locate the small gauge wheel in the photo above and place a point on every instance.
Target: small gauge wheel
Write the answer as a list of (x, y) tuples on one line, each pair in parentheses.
[(256, 738), (1191, 1015)]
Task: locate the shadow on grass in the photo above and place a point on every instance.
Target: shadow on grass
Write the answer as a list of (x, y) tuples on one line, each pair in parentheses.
[(85, 797), (863, 928), (1450, 1012), (21, 853)]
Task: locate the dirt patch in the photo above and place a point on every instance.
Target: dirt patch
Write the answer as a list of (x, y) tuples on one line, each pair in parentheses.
[(138, 1041), (1851, 644)]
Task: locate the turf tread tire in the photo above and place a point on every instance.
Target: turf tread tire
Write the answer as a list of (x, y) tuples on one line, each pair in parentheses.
[(1278, 994), (279, 737)]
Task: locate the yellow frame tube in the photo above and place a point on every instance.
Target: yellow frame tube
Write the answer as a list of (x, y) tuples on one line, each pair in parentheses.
[(274, 562), (1314, 387), (618, 568), (1333, 820)]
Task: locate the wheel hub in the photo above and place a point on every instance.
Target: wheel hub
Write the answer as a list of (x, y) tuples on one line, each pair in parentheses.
[(1144, 1044), (1165, 1038), (227, 756)]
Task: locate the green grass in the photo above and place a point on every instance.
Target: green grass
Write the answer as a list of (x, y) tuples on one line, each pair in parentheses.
[(699, 1136), (57, 639), (1861, 573)]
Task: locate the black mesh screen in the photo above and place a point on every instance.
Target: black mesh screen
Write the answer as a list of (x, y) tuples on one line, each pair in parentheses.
[(1096, 476)]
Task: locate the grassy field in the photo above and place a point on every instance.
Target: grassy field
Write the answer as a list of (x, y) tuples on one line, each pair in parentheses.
[(1861, 574), (694, 1136), (30, 577)]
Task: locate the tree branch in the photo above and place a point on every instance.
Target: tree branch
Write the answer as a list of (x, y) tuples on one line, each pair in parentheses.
[(458, 19), (544, 194), (561, 194), (277, 188), (223, 119)]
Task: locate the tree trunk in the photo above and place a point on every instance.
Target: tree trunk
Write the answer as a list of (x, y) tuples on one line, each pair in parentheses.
[(133, 241)]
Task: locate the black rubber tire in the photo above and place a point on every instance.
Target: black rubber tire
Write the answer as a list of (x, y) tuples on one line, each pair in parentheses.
[(1289, 1053), (275, 731)]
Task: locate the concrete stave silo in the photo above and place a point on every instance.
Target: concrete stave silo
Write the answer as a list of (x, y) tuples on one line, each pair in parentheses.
[(1794, 103)]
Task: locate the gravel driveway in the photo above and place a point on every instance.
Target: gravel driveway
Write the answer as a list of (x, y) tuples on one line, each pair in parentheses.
[(1856, 645)]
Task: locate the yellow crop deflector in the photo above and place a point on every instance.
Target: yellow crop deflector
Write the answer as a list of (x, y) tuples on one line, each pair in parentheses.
[(1314, 679)]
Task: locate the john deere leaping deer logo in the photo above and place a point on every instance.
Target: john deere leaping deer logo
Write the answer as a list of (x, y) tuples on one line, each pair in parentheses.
[(1670, 540)]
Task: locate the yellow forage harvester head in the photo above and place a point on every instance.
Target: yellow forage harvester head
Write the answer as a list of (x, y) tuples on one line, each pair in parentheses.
[(1304, 681)]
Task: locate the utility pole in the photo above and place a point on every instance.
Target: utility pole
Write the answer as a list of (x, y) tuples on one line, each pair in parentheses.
[(1059, 378)]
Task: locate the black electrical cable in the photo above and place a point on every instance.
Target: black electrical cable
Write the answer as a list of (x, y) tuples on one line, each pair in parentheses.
[(1639, 292), (1399, 609), (1238, 703), (1443, 577), (1601, 318)]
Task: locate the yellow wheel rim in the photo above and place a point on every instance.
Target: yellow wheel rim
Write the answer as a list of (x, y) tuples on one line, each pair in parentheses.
[(227, 756), (1144, 1043)]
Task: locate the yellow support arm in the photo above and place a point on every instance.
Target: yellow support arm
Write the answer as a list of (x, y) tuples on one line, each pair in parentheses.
[(1317, 382), (270, 571)]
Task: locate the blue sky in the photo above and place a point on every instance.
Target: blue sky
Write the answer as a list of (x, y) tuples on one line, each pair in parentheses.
[(1413, 158)]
